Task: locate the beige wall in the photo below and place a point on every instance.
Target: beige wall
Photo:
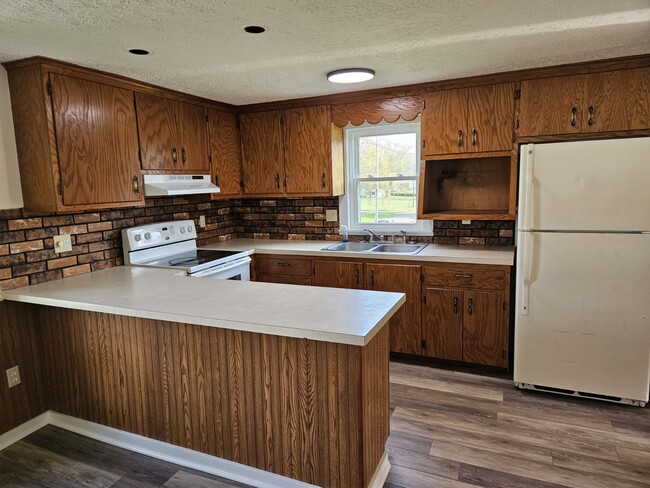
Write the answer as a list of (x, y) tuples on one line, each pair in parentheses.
[(10, 193)]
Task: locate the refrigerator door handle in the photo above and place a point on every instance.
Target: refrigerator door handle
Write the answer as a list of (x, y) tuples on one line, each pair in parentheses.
[(529, 163), (527, 272)]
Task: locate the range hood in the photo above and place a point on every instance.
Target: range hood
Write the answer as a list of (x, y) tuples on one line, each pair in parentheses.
[(170, 185)]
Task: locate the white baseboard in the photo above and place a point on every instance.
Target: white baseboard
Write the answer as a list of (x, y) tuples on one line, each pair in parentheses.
[(23, 430), (171, 453), (381, 473), (175, 454)]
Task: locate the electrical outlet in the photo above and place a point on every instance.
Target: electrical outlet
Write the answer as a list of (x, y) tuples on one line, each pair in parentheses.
[(331, 215), (201, 221), (62, 243), (13, 376), (466, 222)]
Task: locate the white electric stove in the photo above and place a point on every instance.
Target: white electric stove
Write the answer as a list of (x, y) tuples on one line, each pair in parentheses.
[(173, 245)]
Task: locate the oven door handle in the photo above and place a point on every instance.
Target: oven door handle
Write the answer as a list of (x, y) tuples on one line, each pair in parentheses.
[(221, 268)]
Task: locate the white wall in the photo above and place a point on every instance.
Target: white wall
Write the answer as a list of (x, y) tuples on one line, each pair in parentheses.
[(10, 194)]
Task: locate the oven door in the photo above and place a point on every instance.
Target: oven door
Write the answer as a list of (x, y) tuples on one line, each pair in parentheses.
[(239, 269)]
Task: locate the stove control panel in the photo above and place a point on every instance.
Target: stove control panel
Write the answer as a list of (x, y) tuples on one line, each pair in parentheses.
[(152, 235)]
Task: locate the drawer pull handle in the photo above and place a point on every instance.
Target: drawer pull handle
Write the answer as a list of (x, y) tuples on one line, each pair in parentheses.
[(474, 137), (174, 155), (591, 116), (573, 116), (356, 275), (455, 305), (277, 180), (372, 278), (136, 185), (183, 155), (284, 265), (460, 138), (470, 309), (463, 275)]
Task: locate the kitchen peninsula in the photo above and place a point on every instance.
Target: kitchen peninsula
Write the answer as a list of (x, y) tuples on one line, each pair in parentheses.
[(287, 379)]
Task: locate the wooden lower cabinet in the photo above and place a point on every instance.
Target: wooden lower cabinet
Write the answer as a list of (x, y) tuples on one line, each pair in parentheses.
[(405, 332), (467, 320), (338, 274)]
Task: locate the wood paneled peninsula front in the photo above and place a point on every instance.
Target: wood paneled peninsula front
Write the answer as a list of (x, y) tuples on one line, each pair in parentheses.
[(287, 379)]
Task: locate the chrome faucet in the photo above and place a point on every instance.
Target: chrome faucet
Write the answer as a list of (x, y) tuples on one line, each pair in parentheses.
[(402, 233), (371, 234)]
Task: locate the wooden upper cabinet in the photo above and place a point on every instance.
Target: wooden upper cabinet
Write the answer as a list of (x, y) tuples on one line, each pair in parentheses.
[(262, 153), (610, 101), (551, 105), (490, 117), (618, 100), (444, 122), (173, 135), (97, 142), (225, 151), (308, 163), (293, 152), (338, 274), (405, 326), (477, 119), (76, 139)]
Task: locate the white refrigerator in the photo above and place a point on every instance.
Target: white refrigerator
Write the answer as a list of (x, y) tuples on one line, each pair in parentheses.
[(582, 317)]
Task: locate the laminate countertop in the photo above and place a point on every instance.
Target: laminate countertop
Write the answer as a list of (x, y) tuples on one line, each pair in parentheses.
[(495, 255), (324, 314)]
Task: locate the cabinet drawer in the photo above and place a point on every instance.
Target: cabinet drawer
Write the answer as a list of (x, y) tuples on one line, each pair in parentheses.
[(266, 265), (287, 280), (466, 277)]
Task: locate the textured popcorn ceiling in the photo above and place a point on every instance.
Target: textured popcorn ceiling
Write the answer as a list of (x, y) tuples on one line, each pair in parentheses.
[(198, 46)]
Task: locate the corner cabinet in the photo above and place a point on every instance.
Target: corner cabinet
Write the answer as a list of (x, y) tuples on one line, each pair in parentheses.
[(465, 313), (293, 152), (77, 141), (609, 101), (225, 153), (173, 135)]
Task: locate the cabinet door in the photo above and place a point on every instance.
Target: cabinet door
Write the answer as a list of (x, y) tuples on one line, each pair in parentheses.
[(618, 100), (226, 152), (338, 274), (551, 106), (262, 153), (405, 330), (160, 133), (97, 141), (442, 325), (490, 113), (444, 122), (194, 143), (484, 330), (307, 163)]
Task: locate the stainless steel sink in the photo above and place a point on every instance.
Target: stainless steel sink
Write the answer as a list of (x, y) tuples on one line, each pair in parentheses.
[(400, 248), (351, 247)]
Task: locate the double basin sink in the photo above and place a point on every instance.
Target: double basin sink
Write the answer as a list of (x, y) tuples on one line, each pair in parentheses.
[(372, 247)]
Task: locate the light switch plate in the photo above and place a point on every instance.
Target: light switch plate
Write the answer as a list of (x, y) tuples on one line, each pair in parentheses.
[(62, 243), (202, 221), (13, 376), (331, 215), (466, 222)]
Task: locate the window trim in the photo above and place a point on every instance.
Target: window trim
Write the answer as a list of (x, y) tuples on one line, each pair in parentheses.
[(348, 203)]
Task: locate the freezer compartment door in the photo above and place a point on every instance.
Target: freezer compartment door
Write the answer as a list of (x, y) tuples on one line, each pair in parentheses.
[(585, 185), (582, 317)]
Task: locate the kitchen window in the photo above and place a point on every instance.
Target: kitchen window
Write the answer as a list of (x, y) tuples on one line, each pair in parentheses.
[(382, 164)]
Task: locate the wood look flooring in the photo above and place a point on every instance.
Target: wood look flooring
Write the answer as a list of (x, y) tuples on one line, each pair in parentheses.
[(448, 430)]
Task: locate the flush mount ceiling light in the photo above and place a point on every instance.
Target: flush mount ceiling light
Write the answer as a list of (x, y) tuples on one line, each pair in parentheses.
[(139, 52), (350, 75), (254, 29)]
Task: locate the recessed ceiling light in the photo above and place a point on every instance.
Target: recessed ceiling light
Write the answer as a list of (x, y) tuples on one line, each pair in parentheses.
[(254, 29), (139, 52), (350, 75)]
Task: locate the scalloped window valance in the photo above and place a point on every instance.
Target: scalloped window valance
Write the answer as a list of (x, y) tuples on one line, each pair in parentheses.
[(373, 111)]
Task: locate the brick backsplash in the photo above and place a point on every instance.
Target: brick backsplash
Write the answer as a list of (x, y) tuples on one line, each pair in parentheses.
[(26, 246)]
